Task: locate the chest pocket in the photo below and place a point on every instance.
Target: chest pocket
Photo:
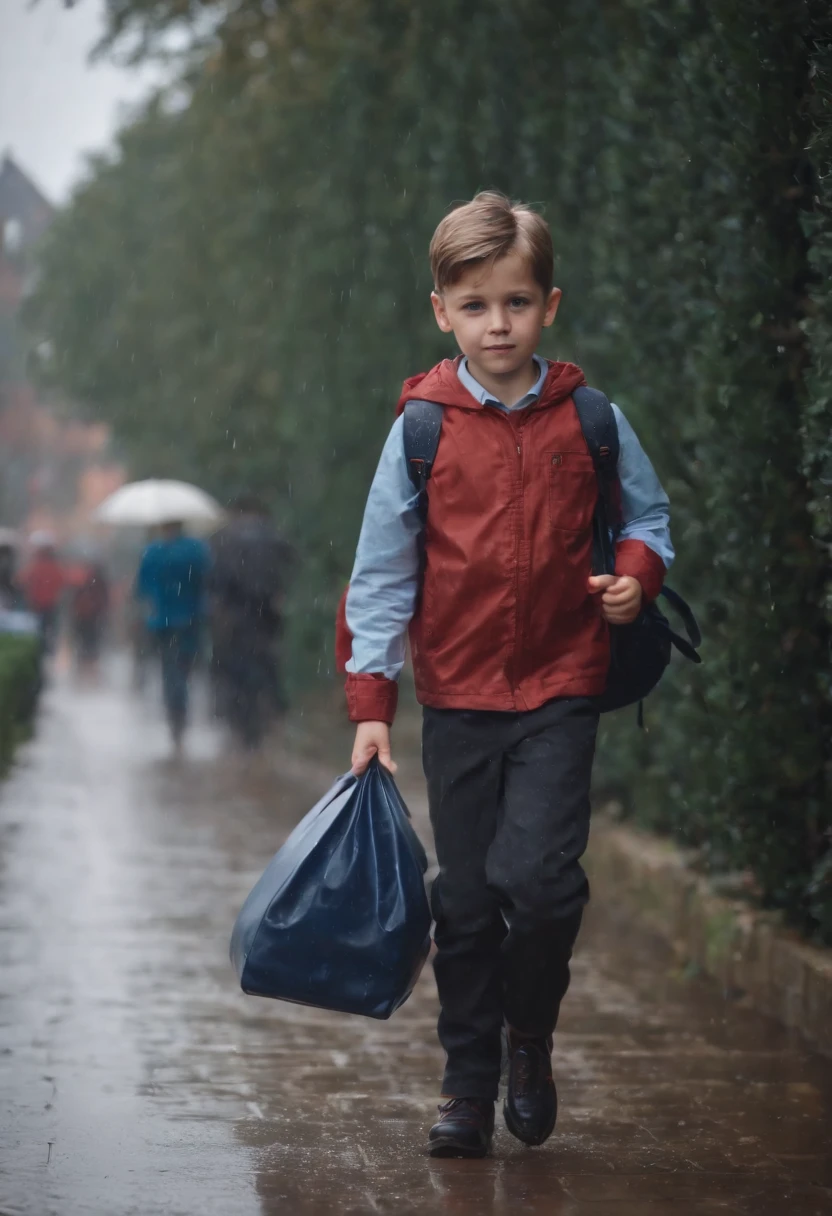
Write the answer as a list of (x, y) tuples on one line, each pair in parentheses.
[(573, 490)]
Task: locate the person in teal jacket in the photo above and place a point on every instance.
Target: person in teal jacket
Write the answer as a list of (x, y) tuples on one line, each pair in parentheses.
[(171, 580)]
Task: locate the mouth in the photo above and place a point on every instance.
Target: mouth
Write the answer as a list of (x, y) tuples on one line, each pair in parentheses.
[(501, 348)]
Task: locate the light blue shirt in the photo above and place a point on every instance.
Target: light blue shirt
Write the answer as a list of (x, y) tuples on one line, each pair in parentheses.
[(485, 398), (385, 580)]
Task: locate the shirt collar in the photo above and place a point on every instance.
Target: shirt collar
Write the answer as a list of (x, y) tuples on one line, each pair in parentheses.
[(485, 398)]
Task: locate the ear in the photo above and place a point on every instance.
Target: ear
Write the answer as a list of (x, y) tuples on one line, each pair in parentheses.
[(440, 313), (552, 306)]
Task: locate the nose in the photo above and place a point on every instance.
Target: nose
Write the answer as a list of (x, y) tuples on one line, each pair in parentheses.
[(498, 320)]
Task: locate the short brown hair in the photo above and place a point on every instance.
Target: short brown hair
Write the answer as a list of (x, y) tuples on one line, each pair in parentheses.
[(488, 228)]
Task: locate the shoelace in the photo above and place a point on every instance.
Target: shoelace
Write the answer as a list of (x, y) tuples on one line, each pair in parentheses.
[(524, 1068), (462, 1108)]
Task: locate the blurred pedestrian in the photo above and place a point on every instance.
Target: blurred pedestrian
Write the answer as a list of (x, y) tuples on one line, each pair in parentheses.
[(44, 582), (141, 640), (12, 598), (172, 580), (250, 568), (89, 607)]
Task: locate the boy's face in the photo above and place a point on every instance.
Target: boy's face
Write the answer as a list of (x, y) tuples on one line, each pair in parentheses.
[(496, 313)]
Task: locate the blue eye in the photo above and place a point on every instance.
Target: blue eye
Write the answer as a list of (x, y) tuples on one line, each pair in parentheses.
[(472, 306), (520, 302)]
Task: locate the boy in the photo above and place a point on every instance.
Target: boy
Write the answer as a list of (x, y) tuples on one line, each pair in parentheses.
[(509, 639)]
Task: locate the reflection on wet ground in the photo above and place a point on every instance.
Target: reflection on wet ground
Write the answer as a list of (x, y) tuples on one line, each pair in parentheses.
[(137, 1080)]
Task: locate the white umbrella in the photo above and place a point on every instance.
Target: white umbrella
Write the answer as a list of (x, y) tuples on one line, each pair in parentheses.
[(149, 503)]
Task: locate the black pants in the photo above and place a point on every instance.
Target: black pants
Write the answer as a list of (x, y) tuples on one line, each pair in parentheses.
[(247, 685), (509, 805), (48, 620), (178, 650)]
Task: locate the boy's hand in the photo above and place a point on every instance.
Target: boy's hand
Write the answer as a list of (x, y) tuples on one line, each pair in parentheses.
[(622, 596), (371, 739)]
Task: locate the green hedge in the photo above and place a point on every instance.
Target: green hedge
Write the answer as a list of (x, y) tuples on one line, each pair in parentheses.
[(817, 431), (699, 257), (241, 291), (19, 687)]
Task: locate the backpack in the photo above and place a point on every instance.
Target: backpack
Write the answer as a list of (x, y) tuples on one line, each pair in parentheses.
[(250, 564), (640, 651)]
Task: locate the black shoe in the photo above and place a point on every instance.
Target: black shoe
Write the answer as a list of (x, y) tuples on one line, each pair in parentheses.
[(465, 1128), (531, 1105)]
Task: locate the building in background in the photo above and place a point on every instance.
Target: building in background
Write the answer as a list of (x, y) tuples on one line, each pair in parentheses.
[(55, 468)]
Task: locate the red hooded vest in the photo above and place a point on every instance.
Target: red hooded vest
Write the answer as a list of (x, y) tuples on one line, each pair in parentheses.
[(505, 620)]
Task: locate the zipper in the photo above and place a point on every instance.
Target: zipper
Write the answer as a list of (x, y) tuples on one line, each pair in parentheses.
[(520, 607), (517, 441)]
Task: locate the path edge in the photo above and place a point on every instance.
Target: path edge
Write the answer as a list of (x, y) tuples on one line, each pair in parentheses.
[(747, 950)]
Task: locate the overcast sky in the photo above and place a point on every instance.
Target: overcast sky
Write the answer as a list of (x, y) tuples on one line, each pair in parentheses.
[(55, 107)]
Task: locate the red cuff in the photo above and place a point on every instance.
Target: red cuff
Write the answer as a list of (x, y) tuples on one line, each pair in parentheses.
[(634, 558), (371, 698)]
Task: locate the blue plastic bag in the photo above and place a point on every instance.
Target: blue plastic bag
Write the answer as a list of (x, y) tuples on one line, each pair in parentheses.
[(340, 918)]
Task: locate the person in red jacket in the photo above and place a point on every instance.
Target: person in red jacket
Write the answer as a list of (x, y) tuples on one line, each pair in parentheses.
[(510, 645), (43, 580), (89, 607)]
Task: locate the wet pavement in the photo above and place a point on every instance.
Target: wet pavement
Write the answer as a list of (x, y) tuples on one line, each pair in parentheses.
[(137, 1080)]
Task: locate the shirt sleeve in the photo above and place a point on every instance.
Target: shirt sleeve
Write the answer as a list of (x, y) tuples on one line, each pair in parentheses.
[(385, 580), (645, 511)]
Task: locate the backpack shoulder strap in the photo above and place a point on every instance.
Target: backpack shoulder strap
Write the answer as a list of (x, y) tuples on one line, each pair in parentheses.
[(600, 430), (422, 430)]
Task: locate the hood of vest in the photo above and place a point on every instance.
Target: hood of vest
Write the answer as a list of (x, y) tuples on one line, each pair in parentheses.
[(442, 385)]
